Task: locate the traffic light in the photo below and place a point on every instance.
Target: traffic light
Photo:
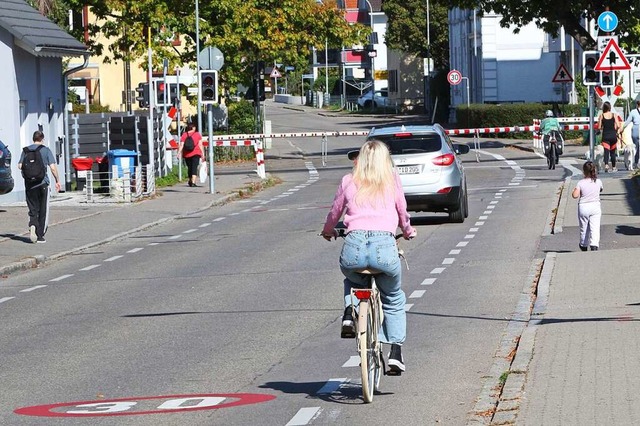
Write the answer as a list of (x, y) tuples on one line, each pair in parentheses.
[(209, 86), (608, 79), (161, 87), (143, 95), (590, 77)]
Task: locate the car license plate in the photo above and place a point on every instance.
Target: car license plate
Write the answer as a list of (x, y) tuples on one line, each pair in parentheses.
[(408, 170)]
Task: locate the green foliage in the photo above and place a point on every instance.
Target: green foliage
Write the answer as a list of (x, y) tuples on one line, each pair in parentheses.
[(407, 23), (241, 117), (93, 108), (509, 115)]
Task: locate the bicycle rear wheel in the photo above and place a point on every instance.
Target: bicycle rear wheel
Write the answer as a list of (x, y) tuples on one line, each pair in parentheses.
[(369, 361)]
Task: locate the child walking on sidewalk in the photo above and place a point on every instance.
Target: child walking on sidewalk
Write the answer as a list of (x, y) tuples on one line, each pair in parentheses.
[(588, 191)]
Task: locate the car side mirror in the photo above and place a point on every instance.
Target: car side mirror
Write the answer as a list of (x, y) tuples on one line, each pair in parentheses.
[(461, 148), (352, 155)]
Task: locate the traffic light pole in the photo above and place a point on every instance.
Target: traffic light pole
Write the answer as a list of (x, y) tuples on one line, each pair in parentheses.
[(211, 159), (590, 93)]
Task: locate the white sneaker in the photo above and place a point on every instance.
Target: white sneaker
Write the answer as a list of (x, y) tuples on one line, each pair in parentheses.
[(32, 234)]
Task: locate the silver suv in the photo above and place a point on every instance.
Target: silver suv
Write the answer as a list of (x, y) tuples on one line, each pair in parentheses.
[(432, 175)]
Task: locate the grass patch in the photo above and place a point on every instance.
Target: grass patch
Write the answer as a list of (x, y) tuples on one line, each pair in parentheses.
[(503, 378)]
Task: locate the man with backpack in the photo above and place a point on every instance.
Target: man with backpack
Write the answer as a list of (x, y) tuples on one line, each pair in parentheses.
[(33, 163), (191, 149)]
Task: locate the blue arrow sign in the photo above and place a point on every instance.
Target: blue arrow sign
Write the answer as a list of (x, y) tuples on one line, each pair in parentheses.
[(607, 21)]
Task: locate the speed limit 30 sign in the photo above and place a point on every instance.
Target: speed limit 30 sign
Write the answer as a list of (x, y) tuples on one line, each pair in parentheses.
[(454, 77)]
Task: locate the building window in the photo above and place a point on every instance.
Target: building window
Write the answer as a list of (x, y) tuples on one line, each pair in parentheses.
[(393, 81)]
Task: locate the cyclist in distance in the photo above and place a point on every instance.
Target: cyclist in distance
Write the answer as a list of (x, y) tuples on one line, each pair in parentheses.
[(547, 125), (372, 201)]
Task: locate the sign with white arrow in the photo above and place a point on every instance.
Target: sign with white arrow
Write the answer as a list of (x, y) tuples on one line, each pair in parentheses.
[(607, 21), (562, 75), (612, 59)]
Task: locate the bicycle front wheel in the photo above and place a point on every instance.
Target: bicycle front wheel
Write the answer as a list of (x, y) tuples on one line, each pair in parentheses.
[(369, 363)]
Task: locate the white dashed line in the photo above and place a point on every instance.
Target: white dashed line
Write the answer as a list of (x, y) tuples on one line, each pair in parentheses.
[(112, 258), (503, 190), (417, 294), (462, 244), (408, 306), (303, 416), (27, 290), (437, 270), (514, 183), (61, 277), (204, 225), (135, 250), (491, 207), (487, 212), (448, 260), (468, 236), (331, 386), (153, 244), (90, 267), (455, 251), (175, 237), (219, 219), (494, 202), (428, 281), (4, 299), (474, 229), (189, 231), (354, 361), (483, 217), (480, 223), (234, 214), (278, 210)]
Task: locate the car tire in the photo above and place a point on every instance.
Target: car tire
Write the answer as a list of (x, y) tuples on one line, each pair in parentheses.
[(458, 215), (367, 104)]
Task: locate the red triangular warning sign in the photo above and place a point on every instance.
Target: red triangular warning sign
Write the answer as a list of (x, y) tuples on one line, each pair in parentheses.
[(612, 59), (562, 75)]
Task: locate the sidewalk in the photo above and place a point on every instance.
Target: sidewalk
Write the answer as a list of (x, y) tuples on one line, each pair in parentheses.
[(75, 225), (578, 359)]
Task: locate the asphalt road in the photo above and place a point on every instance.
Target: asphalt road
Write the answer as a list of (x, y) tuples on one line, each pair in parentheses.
[(246, 299)]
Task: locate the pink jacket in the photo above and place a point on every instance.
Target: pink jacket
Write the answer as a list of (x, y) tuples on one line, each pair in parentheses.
[(387, 214)]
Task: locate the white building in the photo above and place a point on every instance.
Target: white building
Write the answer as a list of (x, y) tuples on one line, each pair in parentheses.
[(501, 66)]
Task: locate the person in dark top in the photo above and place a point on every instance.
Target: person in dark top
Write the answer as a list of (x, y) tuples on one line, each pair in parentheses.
[(37, 193), (609, 126)]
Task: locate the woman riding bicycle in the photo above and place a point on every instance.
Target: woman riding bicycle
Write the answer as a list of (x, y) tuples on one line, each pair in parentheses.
[(548, 126), (373, 203)]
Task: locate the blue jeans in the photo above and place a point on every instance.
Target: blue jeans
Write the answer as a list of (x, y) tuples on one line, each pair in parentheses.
[(378, 250)]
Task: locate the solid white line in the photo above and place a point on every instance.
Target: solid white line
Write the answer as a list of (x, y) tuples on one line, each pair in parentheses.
[(90, 267), (468, 236), (61, 277), (448, 260), (428, 281), (188, 231), (135, 250), (331, 386), (408, 306), (27, 290), (417, 294), (175, 237), (455, 251), (219, 219), (204, 225), (480, 223), (437, 270), (4, 299), (112, 258), (303, 416), (354, 361)]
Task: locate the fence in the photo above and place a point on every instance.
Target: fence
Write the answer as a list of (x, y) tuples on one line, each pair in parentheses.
[(123, 186)]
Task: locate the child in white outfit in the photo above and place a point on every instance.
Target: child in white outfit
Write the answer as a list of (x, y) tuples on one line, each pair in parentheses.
[(588, 191)]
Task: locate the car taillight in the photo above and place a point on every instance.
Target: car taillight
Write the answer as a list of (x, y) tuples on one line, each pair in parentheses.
[(445, 190), (403, 135), (444, 160)]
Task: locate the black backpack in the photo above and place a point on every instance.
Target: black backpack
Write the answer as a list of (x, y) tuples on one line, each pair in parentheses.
[(189, 144), (33, 168)]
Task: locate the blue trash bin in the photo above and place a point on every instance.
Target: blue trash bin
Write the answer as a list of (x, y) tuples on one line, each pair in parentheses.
[(124, 159)]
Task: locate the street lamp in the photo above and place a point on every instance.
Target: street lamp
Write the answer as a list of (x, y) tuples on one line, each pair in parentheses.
[(373, 71)]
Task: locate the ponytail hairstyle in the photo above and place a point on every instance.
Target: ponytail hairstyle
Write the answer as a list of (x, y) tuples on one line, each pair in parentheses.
[(373, 173), (589, 170)]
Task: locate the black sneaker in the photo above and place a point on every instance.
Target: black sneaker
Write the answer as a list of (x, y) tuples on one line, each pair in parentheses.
[(41, 240), (583, 248), (396, 363), (594, 248), (348, 330)]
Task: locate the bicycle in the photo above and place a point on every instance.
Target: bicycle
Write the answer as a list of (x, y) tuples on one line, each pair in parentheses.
[(369, 320), (552, 151)]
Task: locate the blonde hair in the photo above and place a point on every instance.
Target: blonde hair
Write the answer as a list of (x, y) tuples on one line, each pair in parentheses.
[(373, 173)]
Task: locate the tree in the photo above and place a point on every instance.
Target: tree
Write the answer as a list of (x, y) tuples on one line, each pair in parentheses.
[(407, 29), (551, 15), (280, 31)]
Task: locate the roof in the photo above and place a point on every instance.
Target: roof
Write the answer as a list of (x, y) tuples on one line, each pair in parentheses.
[(35, 33)]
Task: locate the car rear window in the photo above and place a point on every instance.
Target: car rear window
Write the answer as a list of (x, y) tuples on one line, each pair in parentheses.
[(414, 144)]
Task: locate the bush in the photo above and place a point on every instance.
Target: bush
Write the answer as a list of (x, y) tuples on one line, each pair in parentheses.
[(509, 115), (241, 121)]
